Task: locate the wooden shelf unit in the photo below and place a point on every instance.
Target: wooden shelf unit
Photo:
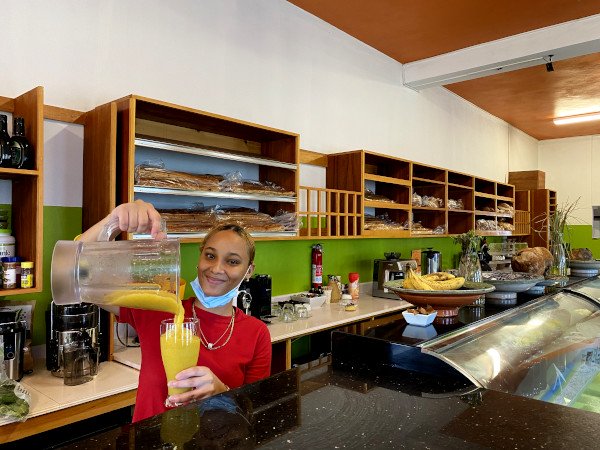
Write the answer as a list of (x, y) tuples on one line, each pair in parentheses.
[(135, 129), (542, 206), (397, 179), (27, 188), (330, 213), (390, 177)]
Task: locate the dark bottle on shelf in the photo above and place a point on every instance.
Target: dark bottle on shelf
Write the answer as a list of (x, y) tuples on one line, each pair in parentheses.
[(5, 151), (22, 151)]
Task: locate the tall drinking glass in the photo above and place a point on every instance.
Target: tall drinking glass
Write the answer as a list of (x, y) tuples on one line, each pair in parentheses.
[(179, 347)]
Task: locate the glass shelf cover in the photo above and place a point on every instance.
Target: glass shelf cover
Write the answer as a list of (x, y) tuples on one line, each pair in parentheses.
[(548, 349)]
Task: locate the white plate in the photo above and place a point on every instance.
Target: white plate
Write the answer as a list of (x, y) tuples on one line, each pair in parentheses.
[(420, 320)]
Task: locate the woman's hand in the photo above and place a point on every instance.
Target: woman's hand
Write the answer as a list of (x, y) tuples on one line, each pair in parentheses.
[(203, 382), (138, 217), (134, 217)]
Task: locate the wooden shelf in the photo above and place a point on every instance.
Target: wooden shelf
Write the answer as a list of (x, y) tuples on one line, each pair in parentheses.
[(424, 180), (27, 189), (127, 130), (385, 205), (389, 180)]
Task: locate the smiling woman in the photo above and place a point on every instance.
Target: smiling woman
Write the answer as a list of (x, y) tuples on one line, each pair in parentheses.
[(235, 347)]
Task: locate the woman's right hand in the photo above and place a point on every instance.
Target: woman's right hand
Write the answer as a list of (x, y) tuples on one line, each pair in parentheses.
[(138, 217), (135, 217)]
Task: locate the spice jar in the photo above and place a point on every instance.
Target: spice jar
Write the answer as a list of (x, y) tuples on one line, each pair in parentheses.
[(27, 274), (11, 267)]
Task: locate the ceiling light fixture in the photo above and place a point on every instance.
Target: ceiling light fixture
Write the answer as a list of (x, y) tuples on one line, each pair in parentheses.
[(549, 66), (576, 119)]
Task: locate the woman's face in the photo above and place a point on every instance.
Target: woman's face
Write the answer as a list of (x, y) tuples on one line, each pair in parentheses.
[(223, 263)]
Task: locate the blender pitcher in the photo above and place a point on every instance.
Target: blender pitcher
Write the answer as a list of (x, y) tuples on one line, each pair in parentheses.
[(141, 273)]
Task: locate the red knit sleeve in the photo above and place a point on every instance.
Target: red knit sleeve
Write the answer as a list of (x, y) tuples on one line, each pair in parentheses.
[(260, 366), (125, 316)]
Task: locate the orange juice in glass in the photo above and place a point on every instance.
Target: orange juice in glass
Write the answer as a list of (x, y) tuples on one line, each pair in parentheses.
[(179, 347)]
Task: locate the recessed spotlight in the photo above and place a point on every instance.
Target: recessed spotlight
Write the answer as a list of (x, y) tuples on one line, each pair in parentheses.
[(576, 119)]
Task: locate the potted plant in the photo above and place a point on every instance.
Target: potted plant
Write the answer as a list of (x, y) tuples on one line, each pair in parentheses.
[(469, 265)]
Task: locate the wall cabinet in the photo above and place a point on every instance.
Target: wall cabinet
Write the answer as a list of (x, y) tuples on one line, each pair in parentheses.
[(27, 186), (543, 205), (137, 130), (422, 200)]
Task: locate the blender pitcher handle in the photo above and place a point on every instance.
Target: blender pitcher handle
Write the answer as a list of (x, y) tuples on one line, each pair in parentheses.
[(111, 229)]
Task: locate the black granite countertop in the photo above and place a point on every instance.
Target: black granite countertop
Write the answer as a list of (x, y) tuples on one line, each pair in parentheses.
[(376, 394), (331, 408)]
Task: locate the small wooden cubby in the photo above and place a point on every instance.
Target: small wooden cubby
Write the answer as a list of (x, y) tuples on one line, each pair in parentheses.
[(27, 186)]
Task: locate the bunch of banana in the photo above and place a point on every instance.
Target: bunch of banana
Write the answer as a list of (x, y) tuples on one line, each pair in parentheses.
[(438, 281)]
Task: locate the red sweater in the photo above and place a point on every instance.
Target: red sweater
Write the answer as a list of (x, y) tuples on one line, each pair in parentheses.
[(246, 357)]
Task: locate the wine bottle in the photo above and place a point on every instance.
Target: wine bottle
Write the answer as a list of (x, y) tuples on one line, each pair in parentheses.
[(22, 151), (5, 152)]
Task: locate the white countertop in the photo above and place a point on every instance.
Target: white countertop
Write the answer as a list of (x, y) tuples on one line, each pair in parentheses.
[(49, 393), (333, 315)]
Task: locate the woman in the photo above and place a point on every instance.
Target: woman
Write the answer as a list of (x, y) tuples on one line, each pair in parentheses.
[(236, 348)]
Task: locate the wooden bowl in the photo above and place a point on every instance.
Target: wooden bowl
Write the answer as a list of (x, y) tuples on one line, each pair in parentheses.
[(445, 302)]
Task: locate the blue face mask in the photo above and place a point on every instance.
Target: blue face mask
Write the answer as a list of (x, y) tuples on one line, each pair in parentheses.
[(214, 302)]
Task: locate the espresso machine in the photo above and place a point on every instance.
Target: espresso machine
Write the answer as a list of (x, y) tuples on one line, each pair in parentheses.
[(389, 269), (255, 296), (73, 345), (12, 337)]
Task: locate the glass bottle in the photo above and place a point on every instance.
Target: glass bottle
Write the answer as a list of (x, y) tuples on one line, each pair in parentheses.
[(5, 152), (559, 257), (22, 151), (469, 267)]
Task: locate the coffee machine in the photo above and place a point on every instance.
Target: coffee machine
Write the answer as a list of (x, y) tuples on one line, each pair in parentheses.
[(389, 269), (255, 296), (73, 345), (12, 337)]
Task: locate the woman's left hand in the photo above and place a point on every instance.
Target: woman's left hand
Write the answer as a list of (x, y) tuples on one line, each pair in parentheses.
[(203, 382)]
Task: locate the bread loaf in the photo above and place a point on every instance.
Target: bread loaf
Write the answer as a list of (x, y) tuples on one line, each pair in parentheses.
[(532, 260), (581, 254)]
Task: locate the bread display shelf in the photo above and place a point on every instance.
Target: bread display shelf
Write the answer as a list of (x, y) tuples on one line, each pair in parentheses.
[(220, 154), (425, 180), (384, 179), (386, 205), (196, 236), (213, 194)]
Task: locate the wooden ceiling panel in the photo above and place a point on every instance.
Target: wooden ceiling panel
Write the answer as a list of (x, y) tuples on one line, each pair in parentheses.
[(410, 30), (530, 98)]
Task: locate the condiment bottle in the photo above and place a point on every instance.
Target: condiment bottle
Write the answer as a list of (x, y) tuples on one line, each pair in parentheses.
[(11, 269), (22, 151), (27, 274), (353, 286), (5, 152)]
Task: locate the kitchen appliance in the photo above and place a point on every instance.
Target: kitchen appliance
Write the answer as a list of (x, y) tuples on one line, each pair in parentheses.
[(12, 337), (93, 272), (431, 261), (391, 268), (255, 296), (74, 337)]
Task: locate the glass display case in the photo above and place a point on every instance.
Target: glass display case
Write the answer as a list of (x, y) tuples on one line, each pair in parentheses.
[(548, 349)]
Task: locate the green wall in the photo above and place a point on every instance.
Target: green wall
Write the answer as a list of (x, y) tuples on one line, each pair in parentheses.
[(581, 236), (287, 261), (59, 223)]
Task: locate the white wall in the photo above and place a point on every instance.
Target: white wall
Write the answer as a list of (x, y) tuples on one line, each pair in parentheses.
[(265, 61), (571, 167)]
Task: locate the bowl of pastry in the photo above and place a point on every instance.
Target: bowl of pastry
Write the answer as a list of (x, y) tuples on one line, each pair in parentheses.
[(419, 316)]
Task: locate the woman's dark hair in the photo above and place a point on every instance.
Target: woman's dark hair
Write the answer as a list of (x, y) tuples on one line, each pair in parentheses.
[(240, 231)]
